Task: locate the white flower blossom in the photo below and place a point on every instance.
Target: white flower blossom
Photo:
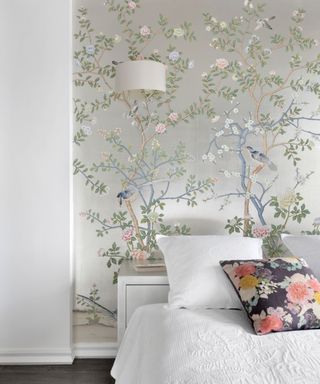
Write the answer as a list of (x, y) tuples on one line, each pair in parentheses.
[(132, 158), (190, 64), (223, 25), (249, 124), (211, 157), (225, 148), (117, 38), (220, 133), (153, 217), (174, 56), (178, 32), (87, 130)]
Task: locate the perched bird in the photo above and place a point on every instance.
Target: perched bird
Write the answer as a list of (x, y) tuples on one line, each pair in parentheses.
[(248, 3), (261, 158), (134, 109), (264, 23), (130, 191), (114, 62), (125, 194)]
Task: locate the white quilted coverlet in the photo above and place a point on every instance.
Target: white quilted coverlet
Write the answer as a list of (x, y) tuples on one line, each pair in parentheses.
[(179, 346)]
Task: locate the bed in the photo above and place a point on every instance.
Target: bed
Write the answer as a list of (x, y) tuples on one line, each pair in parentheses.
[(181, 346)]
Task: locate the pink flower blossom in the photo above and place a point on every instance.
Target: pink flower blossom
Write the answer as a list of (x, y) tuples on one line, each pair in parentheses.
[(245, 269), (132, 5), (173, 117), (314, 284), (269, 324), (261, 231), (160, 128), (138, 254), (127, 234), (145, 31), (299, 293), (222, 63)]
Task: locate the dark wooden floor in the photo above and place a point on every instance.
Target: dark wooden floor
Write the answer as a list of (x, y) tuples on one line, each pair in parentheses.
[(82, 371)]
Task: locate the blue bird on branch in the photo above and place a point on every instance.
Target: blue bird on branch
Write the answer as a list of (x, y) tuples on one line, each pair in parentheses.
[(130, 191), (125, 195), (261, 158)]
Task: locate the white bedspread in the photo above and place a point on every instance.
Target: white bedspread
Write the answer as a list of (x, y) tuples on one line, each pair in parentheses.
[(180, 346)]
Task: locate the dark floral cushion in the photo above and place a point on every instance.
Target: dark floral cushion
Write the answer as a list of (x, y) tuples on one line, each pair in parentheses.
[(278, 294)]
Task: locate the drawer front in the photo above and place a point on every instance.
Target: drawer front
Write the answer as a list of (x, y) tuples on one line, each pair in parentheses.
[(137, 295)]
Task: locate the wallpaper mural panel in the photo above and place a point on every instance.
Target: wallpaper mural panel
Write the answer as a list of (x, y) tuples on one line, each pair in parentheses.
[(232, 147)]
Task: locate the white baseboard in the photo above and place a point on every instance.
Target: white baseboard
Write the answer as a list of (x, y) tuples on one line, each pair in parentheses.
[(95, 350), (36, 356)]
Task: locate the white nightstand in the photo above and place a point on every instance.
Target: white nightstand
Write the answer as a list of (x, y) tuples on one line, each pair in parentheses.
[(136, 289)]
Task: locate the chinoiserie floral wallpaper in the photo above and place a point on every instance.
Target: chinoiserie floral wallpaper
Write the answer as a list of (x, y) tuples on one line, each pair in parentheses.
[(231, 147)]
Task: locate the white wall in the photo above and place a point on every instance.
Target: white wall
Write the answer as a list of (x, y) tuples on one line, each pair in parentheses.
[(35, 268)]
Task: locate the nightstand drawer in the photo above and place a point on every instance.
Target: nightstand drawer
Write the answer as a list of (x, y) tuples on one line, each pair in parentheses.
[(136, 289), (137, 295)]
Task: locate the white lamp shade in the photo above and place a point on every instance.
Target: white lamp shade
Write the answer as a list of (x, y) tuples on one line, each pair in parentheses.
[(140, 75)]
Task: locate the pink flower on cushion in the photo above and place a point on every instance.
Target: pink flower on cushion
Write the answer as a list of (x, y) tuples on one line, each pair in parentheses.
[(269, 324), (245, 269), (127, 234), (160, 128), (299, 293), (138, 254), (222, 63), (314, 284)]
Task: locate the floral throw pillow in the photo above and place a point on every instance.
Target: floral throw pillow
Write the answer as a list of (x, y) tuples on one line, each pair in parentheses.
[(279, 294)]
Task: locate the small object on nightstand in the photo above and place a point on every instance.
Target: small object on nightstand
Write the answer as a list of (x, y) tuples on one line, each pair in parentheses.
[(136, 289), (149, 266)]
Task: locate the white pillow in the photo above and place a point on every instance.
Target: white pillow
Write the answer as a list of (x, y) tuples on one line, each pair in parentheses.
[(306, 247), (196, 279)]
